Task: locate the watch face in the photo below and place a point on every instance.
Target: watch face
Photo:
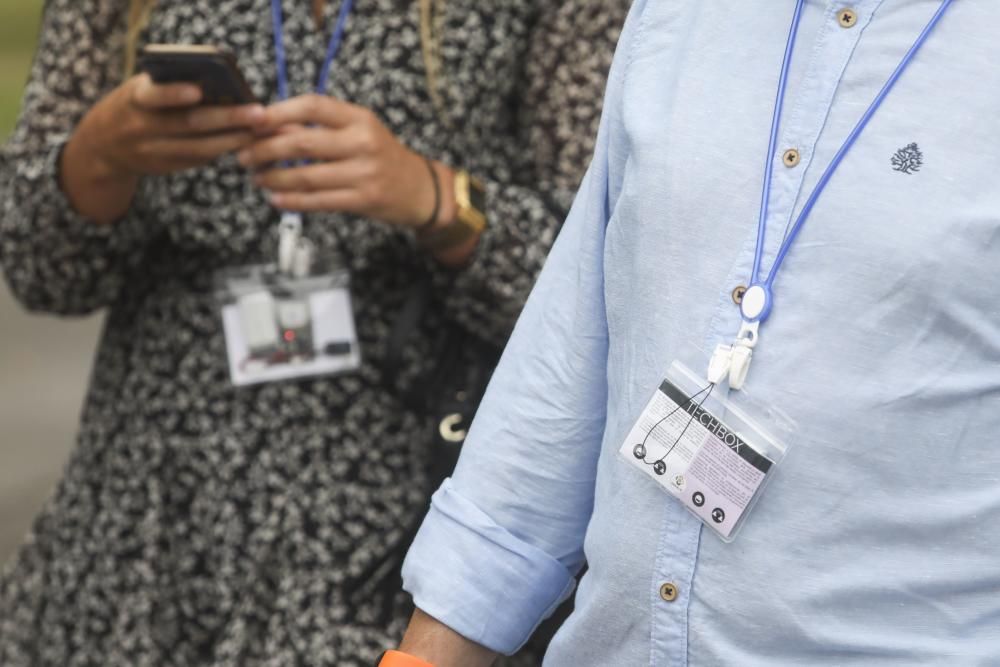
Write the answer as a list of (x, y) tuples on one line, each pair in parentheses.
[(477, 195)]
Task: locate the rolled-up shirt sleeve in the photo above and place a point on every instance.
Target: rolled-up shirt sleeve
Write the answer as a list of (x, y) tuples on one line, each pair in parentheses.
[(503, 539), (488, 585)]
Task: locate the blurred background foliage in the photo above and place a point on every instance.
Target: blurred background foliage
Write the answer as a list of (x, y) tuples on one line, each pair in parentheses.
[(18, 32)]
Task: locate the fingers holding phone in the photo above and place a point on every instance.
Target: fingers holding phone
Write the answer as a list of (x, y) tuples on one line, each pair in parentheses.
[(173, 135), (145, 128), (190, 105), (149, 128)]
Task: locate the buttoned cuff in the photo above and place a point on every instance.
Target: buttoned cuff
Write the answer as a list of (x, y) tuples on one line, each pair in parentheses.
[(473, 575)]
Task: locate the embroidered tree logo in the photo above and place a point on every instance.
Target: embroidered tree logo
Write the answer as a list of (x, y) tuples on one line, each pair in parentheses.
[(908, 159)]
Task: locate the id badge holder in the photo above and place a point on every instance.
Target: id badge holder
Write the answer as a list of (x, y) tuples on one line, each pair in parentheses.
[(712, 456), (281, 327)]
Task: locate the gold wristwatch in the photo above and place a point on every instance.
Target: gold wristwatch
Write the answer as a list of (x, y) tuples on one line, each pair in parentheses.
[(470, 219)]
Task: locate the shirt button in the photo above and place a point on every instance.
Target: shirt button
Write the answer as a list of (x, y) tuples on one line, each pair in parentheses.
[(791, 157), (847, 18), (668, 591), (738, 293)]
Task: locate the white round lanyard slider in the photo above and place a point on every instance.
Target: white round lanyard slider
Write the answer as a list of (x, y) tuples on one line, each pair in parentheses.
[(734, 360), (756, 303), (755, 308)]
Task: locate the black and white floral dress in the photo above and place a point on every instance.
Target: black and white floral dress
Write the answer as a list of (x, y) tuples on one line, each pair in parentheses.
[(202, 524)]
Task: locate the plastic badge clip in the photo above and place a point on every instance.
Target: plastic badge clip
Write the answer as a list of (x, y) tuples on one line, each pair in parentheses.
[(302, 260), (290, 232), (721, 362), (734, 360), (746, 340)]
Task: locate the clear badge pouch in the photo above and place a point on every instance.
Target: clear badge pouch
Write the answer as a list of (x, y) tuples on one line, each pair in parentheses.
[(712, 456), (281, 327)]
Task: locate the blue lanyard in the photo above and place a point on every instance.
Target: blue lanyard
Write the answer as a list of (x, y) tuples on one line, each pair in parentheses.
[(756, 304), (336, 39), (293, 250)]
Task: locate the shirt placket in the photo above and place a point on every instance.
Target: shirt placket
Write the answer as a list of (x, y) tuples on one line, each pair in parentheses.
[(670, 593), (805, 118), (807, 108)]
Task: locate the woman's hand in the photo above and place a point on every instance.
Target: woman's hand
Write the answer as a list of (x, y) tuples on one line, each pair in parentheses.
[(143, 128), (355, 164)]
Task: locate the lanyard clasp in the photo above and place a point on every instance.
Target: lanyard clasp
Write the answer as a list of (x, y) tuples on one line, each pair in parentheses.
[(734, 360), (295, 253)]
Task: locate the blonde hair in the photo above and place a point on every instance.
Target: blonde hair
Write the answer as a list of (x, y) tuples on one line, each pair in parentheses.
[(138, 17), (430, 40)]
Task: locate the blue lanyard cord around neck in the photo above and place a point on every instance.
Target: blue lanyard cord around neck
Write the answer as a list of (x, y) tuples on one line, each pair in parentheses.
[(757, 307), (336, 39), (291, 245)]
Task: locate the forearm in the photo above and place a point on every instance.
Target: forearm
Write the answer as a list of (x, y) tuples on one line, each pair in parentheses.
[(433, 641), (95, 190)]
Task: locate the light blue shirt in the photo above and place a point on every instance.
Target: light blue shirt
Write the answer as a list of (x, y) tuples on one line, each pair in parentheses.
[(878, 540)]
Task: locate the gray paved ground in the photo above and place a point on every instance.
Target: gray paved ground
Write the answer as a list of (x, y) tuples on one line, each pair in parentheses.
[(44, 363)]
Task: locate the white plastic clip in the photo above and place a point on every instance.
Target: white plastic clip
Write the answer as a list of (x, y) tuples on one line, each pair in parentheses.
[(746, 339), (290, 231), (302, 259), (721, 362), (734, 360)]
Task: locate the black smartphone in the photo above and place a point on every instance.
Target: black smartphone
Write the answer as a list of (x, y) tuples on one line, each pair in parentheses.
[(214, 70)]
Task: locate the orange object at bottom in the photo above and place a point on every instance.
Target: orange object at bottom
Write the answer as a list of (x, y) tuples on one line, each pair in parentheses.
[(399, 659)]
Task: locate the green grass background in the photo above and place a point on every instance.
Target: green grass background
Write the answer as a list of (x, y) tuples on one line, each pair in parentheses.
[(18, 32)]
